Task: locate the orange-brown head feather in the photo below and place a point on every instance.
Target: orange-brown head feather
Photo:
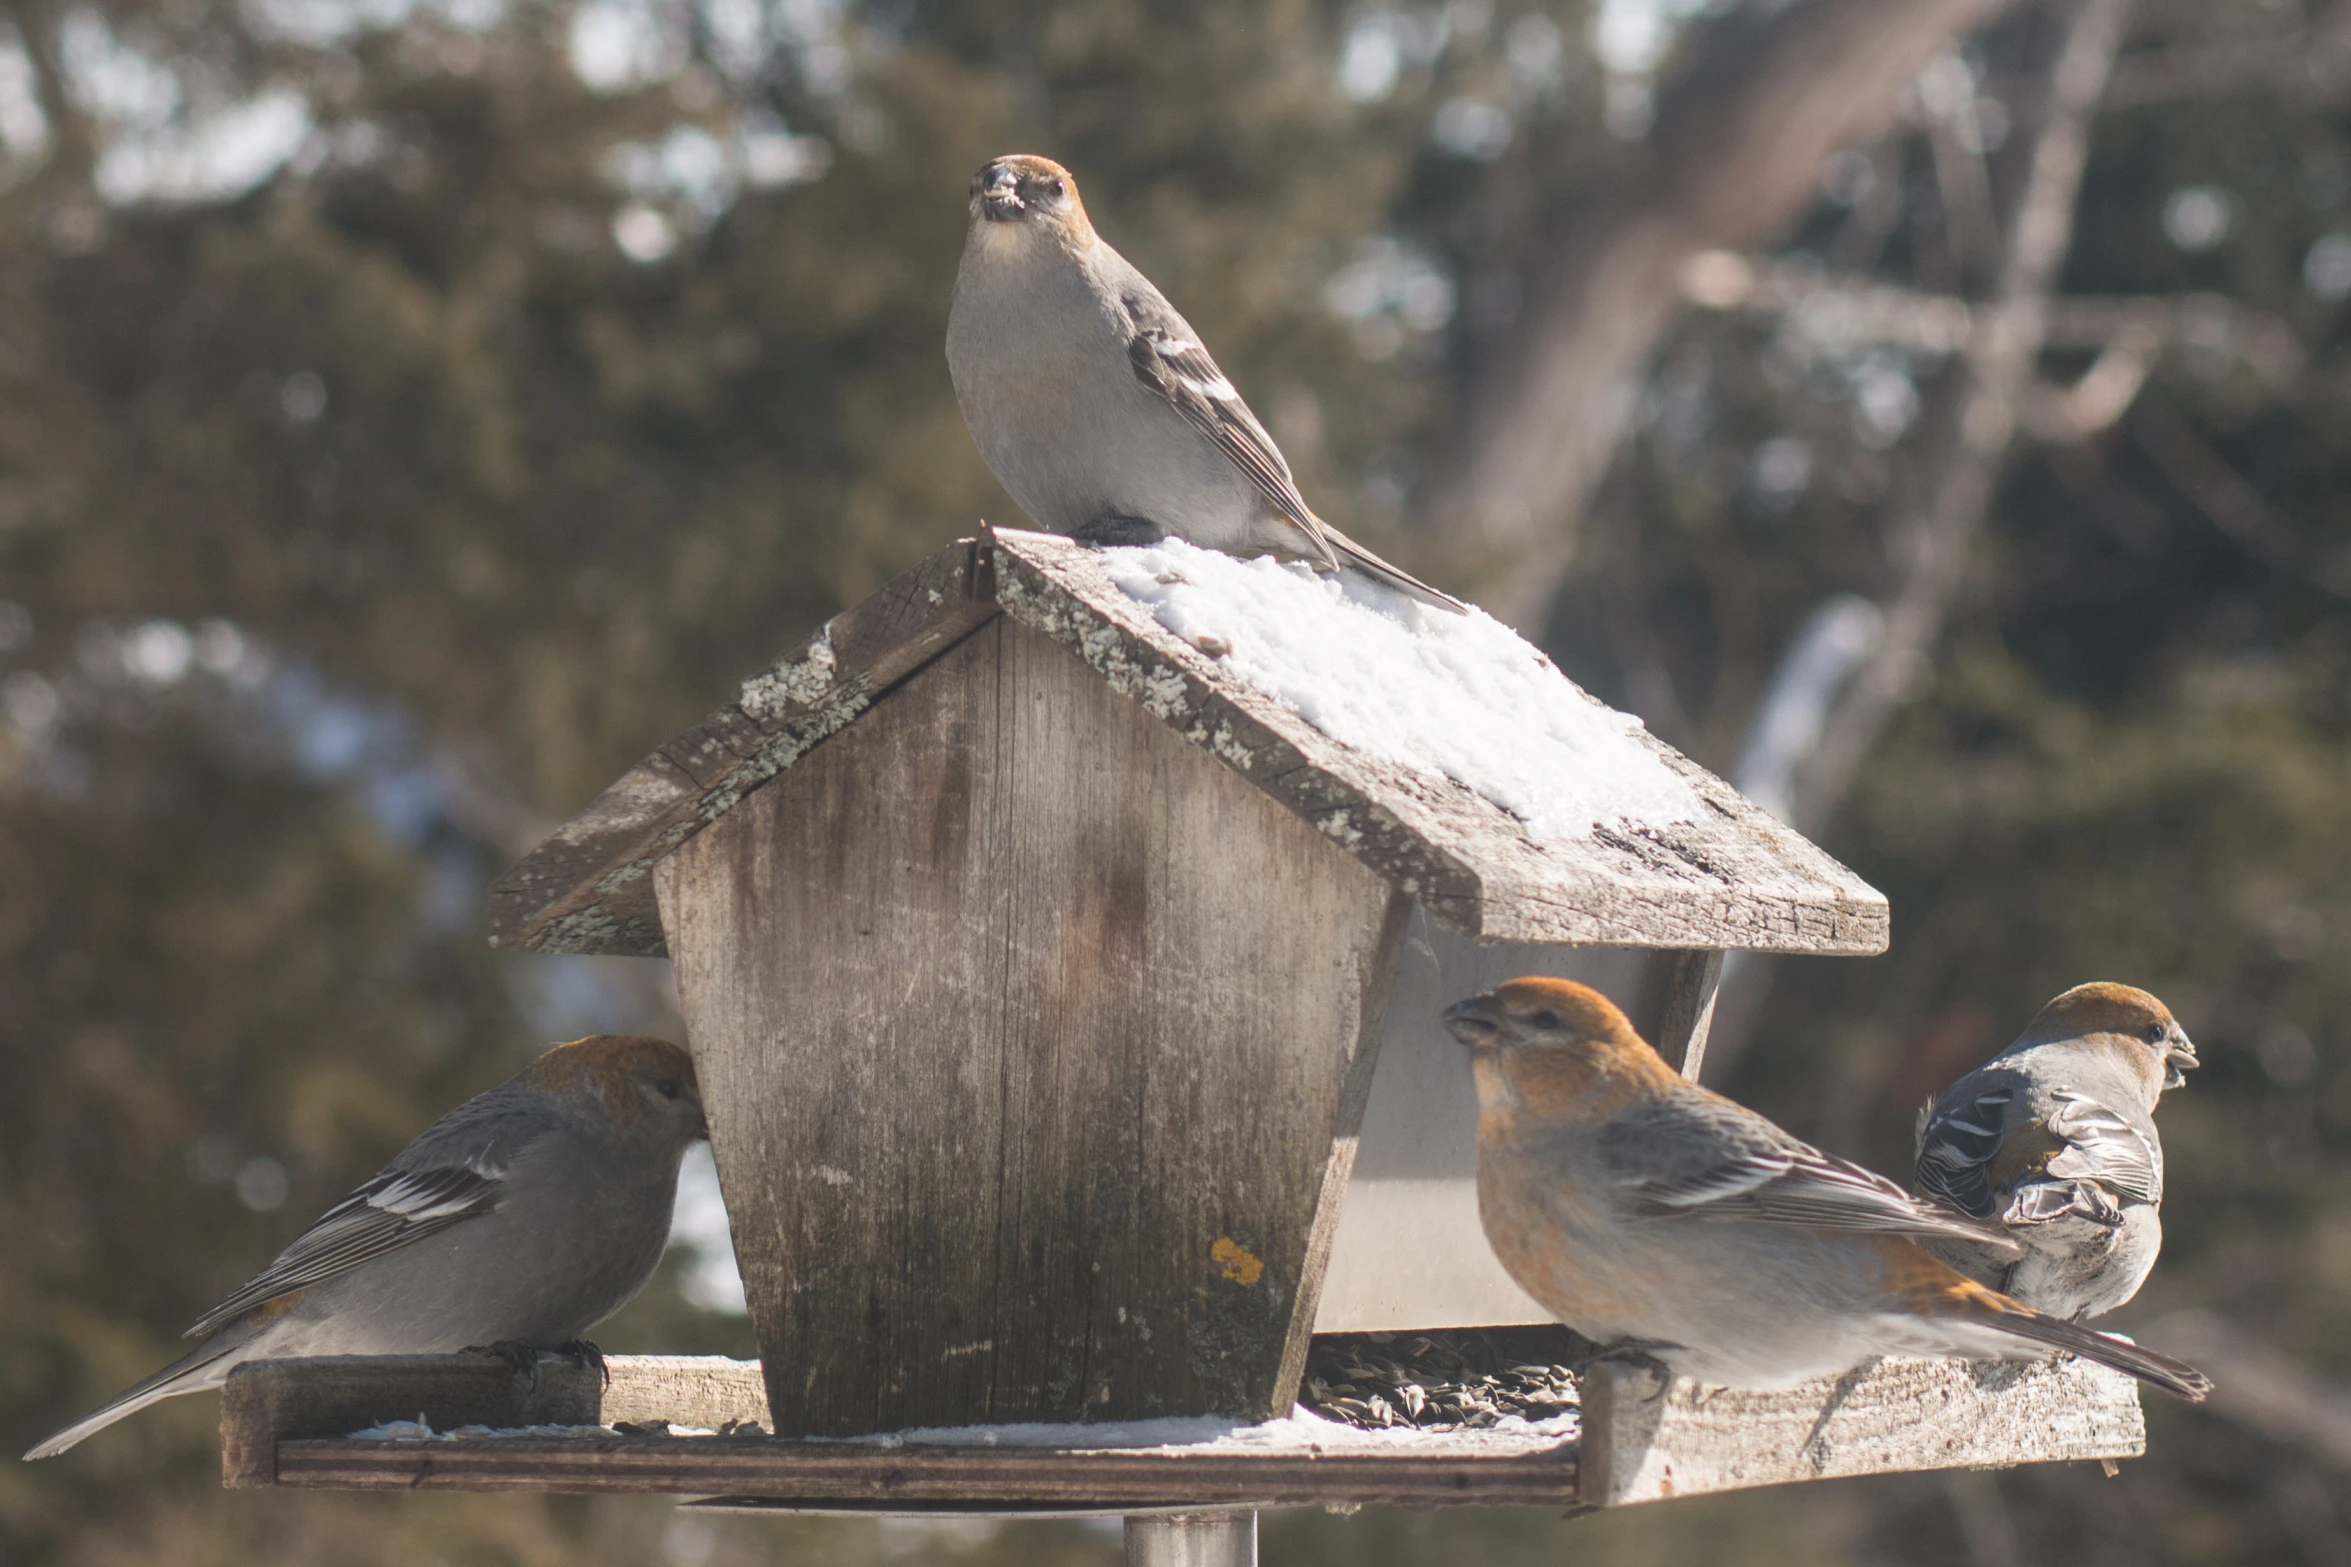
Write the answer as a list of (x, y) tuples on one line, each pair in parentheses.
[(1557, 1050), (2121, 1018), (1023, 193), (643, 1085)]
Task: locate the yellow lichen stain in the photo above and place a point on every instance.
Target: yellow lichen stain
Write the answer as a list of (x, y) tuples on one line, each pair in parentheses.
[(1236, 1261)]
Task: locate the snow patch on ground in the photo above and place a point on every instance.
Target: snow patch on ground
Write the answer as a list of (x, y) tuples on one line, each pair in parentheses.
[(1458, 696)]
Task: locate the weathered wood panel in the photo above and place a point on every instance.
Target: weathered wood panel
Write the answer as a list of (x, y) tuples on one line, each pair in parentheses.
[(1640, 1446), (1735, 879), (287, 1423), (1100, 1480), (1738, 878), (1028, 1042), (266, 1402), (1690, 988)]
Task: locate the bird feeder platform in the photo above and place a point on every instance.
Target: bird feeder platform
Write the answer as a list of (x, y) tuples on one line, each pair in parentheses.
[(1061, 936), (694, 1427)]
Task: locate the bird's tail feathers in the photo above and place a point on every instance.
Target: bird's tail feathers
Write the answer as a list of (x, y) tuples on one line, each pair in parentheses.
[(193, 1372), (1355, 555), (2175, 1377)]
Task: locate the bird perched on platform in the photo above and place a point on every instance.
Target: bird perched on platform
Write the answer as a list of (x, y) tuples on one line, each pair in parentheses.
[(515, 1222), (1649, 1213), (2054, 1140), (1096, 404)]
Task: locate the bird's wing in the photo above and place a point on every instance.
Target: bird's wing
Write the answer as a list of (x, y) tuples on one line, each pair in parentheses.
[(453, 1172), (2103, 1145), (1170, 360), (1967, 1146), (1958, 1138), (1707, 1158)]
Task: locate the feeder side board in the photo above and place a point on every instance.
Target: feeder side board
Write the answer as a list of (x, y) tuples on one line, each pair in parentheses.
[(1888, 1416), (266, 1402), (1691, 985), (1029, 1035)]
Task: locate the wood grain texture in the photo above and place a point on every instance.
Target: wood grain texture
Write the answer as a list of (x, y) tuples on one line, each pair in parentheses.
[(1895, 1415), (1690, 988), (588, 888), (269, 1401), (1104, 1480), (287, 1423), (1738, 878), (1028, 1041)]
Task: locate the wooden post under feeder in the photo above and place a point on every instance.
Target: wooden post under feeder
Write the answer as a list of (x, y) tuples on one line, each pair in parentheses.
[(1066, 1005)]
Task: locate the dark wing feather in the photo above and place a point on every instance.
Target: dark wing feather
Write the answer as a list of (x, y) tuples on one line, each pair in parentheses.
[(393, 1209), (1707, 1158), (1172, 362), (1957, 1141)]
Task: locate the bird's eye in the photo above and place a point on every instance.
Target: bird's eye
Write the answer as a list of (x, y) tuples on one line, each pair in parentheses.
[(2155, 1033), (1546, 1019), (1056, 188), (667, 1088)]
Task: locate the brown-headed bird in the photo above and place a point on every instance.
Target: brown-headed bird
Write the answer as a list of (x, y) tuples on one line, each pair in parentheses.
[(1646, 1212), (1095, 403), (2053, 1140), (517, 1221)]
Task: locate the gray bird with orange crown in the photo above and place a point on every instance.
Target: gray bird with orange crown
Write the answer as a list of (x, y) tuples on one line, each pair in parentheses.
[(1649, 1213), (2054, 1141), (517, 1221), (1095, 403)]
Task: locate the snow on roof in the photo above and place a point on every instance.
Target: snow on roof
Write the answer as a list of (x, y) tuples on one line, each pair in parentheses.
[(1455, 696), (1441, 751)]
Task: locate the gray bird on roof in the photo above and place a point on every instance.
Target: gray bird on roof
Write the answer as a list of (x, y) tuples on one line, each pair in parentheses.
[(1096, 404)]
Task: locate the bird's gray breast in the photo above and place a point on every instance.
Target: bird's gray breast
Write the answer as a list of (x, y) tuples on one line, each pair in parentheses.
[(1039, 361)]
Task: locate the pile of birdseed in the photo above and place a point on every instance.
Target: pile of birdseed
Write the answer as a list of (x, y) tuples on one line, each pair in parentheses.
[(1466, 1380)]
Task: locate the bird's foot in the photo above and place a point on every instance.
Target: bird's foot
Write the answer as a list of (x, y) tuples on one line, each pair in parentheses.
[(1640, 1355), (524, 1358), (1112, 529), (583, 1354)]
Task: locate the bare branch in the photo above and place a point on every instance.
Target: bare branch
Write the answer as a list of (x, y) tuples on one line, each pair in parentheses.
[(1932, 536), (1734, 153), (2307, 62), (2103, 394), (2228, 499), (1833, 309), (2260, 1387), (1947, 99)]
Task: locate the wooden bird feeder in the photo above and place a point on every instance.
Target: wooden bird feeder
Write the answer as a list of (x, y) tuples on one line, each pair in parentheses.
[(1066, 1005)]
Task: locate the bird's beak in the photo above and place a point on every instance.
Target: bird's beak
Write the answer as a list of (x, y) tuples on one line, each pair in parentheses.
[(1000, 196), (1473, 1022), (2179, 1059)]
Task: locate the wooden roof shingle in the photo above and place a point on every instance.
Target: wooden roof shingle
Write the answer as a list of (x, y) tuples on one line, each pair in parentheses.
[(1731, 877)]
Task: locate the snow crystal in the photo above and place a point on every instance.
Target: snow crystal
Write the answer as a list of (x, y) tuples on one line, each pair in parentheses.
[(1458, 696)]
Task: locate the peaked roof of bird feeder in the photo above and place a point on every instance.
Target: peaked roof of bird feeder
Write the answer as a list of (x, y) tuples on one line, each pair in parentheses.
[(1439, 750)]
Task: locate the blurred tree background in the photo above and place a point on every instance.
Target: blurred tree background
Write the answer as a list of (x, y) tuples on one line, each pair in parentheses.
[(1925, 411)]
